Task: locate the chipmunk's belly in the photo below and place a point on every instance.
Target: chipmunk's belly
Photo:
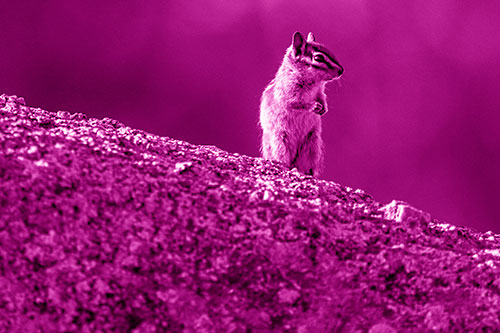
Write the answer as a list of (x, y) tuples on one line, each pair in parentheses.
[(300, 124)]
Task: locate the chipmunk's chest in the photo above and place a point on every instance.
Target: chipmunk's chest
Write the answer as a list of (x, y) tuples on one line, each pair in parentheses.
[(312, 93)]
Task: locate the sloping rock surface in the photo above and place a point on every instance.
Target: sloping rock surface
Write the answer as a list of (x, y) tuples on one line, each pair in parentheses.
[(108, 228)]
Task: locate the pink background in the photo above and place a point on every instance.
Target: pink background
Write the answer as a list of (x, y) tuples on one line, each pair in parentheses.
[(415, 117)]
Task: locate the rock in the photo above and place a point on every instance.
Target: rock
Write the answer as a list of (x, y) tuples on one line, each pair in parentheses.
[(108, 228), (402, 212)]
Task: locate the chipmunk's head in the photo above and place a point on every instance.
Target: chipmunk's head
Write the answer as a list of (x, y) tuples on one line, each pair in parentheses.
[(313, 60)]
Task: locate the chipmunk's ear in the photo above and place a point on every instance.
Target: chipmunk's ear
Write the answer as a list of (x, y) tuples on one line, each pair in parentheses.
[(298, 44), (311, 38)]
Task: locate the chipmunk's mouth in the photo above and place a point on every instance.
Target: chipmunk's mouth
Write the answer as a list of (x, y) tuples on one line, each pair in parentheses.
[(338, 74)]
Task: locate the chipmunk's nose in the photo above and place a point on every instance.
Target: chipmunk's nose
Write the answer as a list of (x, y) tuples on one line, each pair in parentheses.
[(341, 70)]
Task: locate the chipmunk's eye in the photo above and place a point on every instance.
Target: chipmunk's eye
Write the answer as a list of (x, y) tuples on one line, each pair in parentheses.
[(319, 58)]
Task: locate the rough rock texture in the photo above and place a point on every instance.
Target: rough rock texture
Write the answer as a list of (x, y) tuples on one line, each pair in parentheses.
[(108, 228)]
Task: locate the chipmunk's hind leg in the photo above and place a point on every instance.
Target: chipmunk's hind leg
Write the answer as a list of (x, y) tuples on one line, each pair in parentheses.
[(277, 148), (293, 163), (310, 153)]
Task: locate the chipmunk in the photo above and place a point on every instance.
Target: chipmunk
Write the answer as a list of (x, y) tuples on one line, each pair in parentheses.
[(293, 103)]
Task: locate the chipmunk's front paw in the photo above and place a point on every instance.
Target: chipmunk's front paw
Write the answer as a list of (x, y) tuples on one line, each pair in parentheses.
[(318, 108)]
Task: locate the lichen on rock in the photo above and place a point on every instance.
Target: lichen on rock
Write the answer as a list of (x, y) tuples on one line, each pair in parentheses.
[(107, 228)]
